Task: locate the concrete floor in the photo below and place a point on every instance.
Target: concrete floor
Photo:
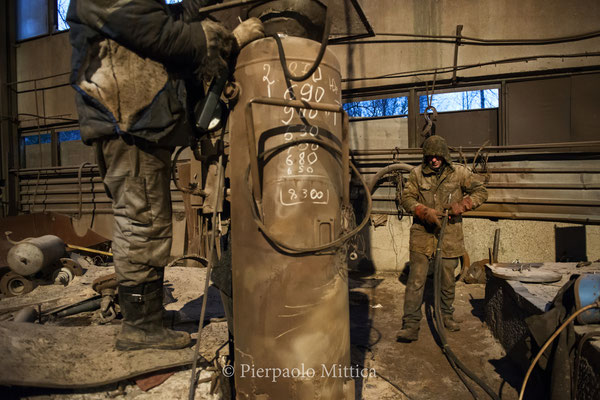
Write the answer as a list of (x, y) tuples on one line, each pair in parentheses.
[(416, 370), (419, 370)]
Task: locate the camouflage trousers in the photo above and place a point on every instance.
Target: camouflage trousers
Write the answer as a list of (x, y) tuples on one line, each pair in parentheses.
[(136, 176), (415, 286)]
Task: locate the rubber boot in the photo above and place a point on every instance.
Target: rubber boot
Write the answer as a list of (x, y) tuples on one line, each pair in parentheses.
[(407, 334), (142, 326), (170, 317), (451, 324)]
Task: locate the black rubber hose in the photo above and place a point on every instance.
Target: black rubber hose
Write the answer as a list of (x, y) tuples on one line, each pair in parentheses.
[(390, 168), (456, 364), (295, 250), (324, 42)]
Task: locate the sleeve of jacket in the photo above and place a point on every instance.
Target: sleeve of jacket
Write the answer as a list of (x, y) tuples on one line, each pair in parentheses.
[(474, 188), (410, 194), (147, 28)]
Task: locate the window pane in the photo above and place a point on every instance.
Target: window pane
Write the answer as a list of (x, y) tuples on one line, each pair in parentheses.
[(172, 1), (377, 108), (35, 139), (67, 136), (459, 101), (32, 18), (61, 9)]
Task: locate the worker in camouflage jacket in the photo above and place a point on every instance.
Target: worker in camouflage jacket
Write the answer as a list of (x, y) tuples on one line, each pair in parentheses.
[(135, 66), (435, 185)]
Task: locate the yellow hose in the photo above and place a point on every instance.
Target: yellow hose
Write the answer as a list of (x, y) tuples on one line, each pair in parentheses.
[(550, 340), (104, 253)]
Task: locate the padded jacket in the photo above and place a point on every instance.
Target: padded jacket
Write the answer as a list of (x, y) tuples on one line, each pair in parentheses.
[(425, 187), (128, 61)]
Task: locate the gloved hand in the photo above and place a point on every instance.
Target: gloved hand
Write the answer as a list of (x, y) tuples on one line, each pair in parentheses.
[(248, 31), (220, 43), (459, 207), (428, 215)]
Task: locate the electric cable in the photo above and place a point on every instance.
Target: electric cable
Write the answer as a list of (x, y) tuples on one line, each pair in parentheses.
[(450, 69), (468, 40), (287, 247), (387, 170), (193, 192), (209, 265), (456, 364), (551, 339)]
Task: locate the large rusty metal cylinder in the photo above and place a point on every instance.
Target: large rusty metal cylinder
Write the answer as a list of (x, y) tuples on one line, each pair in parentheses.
[(33, 255), (288, 182)]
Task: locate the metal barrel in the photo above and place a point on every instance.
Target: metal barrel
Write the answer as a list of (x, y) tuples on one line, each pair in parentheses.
[(291, 315), (33, 255)]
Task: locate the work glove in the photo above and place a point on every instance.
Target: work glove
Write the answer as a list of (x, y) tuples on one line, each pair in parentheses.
[(459, 207), (220, 43), (248, 31), (428, 215)]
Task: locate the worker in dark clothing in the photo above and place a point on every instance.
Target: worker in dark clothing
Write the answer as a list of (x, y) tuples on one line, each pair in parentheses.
[(435, 185), (130, 64)]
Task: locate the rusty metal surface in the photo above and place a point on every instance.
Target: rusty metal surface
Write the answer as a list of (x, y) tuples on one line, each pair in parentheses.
[(290, 311), (39, 224)]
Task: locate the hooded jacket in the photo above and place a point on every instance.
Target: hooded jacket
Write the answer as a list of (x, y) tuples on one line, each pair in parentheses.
[(438, 189), (127, 61)]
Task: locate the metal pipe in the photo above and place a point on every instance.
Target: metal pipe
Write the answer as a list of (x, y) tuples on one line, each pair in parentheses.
[(516, 201), (63, 191), (345, 160), (89, 210), (526, 185), (556, 145), (501, 170), (38, 79), (496, 245), (57, 168), (60, 201), (579, 219)]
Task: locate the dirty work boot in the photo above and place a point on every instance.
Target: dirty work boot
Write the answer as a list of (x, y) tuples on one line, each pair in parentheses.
[(451, 324), (142, 328), (407, 334)]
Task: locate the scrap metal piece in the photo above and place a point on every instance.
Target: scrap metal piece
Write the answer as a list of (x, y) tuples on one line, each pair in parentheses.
[(26, 314), (72, 265), (40, 224), (13, 284), (33, 255), (524, 275), (104, 282), (62, 276)]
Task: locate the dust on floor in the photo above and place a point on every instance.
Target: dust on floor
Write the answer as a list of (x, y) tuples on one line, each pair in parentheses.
[(417, 370)]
